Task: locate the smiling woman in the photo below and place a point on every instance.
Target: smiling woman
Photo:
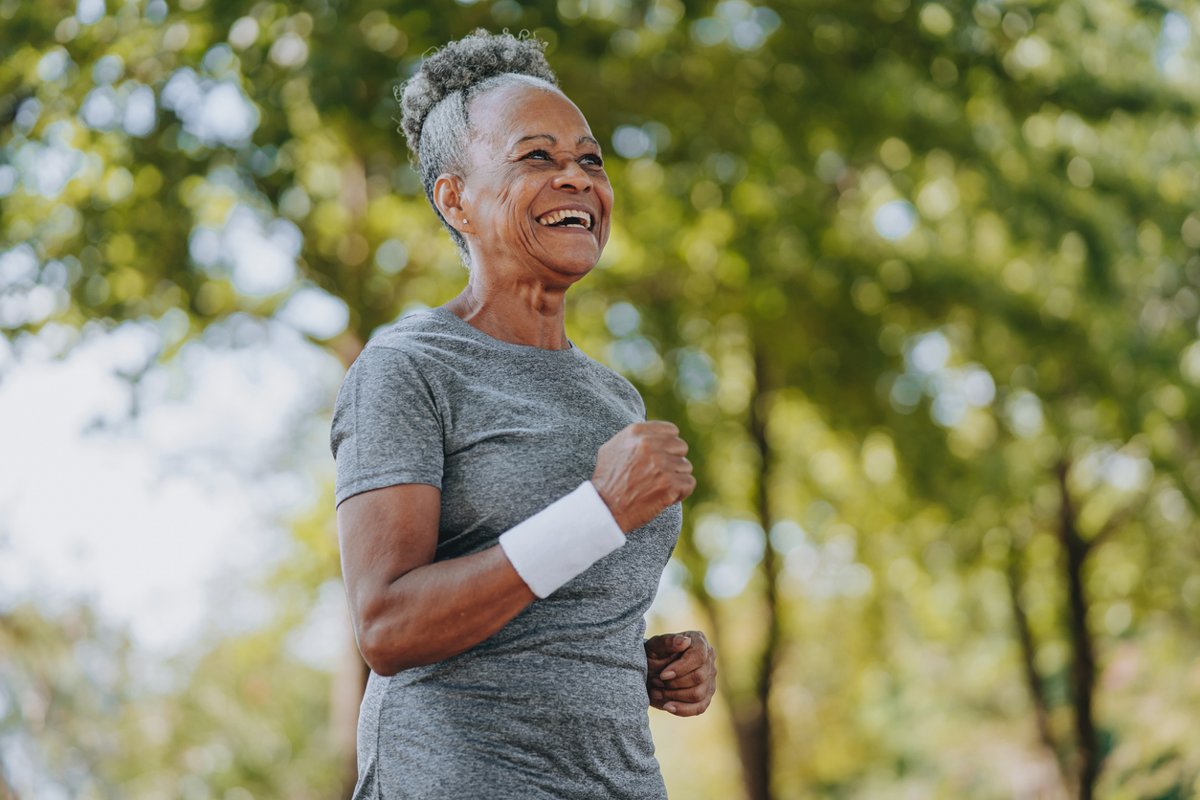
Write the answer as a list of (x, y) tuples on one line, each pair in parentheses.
[(534, 176), (504, 508)]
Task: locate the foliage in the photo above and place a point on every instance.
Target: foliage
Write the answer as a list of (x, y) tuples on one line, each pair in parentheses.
[(920, 283)]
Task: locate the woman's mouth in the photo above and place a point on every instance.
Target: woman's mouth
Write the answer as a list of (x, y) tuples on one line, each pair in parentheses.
[(567, 218)]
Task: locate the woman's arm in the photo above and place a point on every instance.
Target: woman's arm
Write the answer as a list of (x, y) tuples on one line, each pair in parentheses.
[(408, 610)]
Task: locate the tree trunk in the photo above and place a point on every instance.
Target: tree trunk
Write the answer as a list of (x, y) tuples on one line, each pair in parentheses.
[(1083, 657), (350, 677), (349, 682), (6, 790), (753, 740), (753, 723)]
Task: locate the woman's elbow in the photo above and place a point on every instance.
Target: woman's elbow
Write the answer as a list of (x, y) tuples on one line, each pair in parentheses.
[(378, 650), (381, 666), (384, 644)]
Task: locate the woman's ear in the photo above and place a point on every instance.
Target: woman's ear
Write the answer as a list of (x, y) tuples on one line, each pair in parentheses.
[(448, 195)]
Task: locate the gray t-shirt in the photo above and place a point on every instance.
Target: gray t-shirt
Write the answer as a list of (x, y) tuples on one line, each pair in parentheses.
[(554, 705)]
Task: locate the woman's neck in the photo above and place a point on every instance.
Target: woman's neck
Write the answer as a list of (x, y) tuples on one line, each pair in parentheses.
[(524, 312)]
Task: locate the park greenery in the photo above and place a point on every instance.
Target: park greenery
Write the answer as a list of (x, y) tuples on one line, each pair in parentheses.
[(919, 281)]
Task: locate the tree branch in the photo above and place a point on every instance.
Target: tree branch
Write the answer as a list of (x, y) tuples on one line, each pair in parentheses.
[(1117, 521), (1033, 680)]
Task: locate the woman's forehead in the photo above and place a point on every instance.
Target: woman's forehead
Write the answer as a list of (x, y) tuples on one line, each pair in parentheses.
[(517, 113)]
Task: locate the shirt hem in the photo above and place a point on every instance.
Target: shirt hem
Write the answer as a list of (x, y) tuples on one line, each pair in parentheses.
[(385, 479)]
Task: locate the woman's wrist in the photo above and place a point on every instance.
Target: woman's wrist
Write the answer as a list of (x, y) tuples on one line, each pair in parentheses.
[(562, 540)]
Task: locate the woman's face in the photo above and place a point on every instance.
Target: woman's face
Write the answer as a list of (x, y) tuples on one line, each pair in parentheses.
[(536, 194)]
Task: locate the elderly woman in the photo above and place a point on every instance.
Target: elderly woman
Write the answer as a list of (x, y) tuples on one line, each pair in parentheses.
[(504, 510)]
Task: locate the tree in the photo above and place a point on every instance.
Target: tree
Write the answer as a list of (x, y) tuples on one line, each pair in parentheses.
[(918, 282)]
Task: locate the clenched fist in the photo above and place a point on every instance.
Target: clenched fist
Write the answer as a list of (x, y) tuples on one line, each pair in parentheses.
[(641, 471), (681, 672)]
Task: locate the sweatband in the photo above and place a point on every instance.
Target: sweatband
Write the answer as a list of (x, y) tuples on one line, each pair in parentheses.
[(562, 540)]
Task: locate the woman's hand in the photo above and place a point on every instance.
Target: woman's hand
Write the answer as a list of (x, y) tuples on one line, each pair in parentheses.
[(641, 471), (681, 672)]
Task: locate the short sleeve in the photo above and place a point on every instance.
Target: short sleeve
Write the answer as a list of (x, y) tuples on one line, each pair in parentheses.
[(386, 427)]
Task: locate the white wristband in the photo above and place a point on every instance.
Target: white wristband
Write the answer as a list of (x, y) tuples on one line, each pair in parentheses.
[(562, 540)]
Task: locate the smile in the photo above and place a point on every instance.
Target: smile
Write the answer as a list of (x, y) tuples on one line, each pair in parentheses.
[(566, 218)]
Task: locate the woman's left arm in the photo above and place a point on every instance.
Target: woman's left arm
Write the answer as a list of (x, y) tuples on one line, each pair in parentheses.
[(681, 672)]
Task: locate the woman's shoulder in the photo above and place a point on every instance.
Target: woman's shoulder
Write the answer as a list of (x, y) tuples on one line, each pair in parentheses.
[(418, 338), (412, 331), (400, 351)]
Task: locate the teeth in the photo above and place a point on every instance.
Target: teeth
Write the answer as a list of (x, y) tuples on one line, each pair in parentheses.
[(558, 216)]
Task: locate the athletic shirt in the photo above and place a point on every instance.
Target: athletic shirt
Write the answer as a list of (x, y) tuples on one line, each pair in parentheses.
[(554, 705)]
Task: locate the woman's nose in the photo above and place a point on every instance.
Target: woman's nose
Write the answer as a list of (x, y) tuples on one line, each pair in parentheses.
[(573, 178)]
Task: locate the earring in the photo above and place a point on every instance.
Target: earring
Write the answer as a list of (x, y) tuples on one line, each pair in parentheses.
[(464, 220)]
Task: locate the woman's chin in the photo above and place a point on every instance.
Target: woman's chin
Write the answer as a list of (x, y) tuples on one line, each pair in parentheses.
[(577, 260)]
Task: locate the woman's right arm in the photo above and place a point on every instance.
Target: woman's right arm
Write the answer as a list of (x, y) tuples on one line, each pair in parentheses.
[(409, 610)]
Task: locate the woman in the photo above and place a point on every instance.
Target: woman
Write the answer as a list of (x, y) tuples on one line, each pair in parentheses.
[(504, 511)]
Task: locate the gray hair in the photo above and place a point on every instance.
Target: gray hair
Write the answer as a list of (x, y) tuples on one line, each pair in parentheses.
[(434, 101)]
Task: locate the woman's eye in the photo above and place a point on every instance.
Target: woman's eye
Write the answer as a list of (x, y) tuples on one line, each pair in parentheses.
[(592, 160), (538, 154)]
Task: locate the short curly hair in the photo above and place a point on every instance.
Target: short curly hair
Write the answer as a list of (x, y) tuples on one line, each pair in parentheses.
[(434, 102)]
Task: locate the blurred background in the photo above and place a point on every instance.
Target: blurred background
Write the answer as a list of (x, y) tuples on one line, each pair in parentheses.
[(918, 280)]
